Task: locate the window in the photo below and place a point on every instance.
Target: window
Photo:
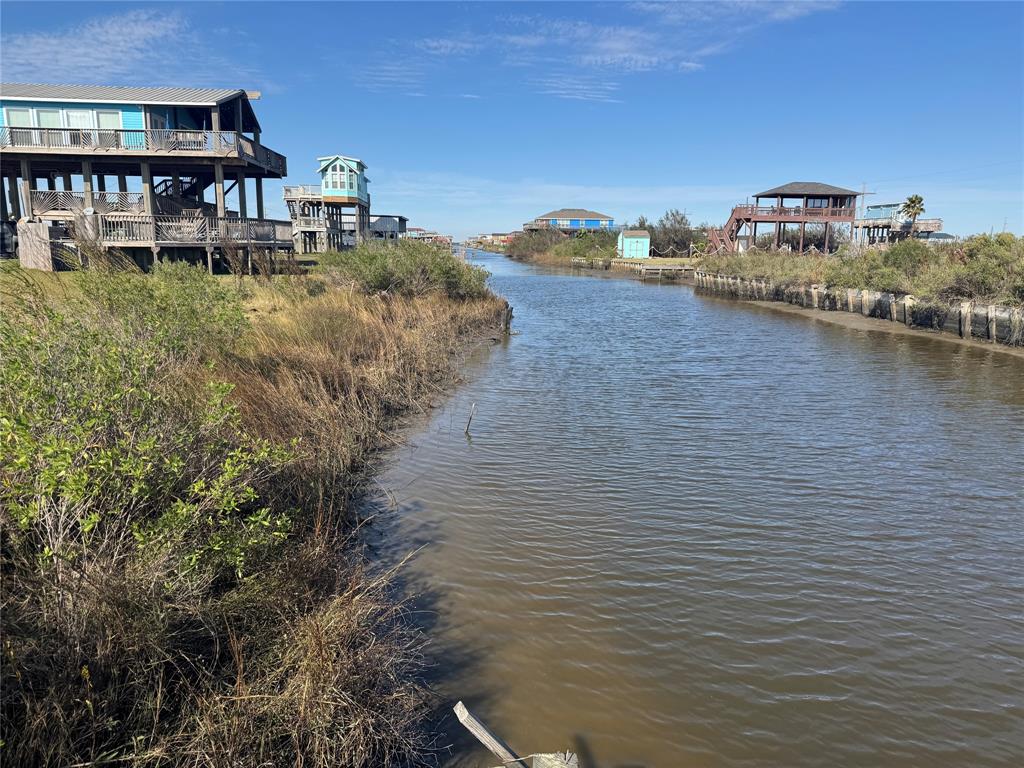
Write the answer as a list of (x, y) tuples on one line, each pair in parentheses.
[(18, 117), (78, 118), (48, 118), (108, 120)]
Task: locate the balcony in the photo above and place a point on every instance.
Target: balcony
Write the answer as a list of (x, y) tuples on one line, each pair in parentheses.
[(797, 213), (175, 142)]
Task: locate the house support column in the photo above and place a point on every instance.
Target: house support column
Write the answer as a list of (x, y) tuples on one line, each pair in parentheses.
[(176, 184), (209, 258), (51, 182), (155, 250), (803, 225), (259, 197), (218, 185), (242, 212), (87, 182), (101, 183), (826, 237), (66, 178), (12, 195), (122, 182), (26, 187), (148, 202)]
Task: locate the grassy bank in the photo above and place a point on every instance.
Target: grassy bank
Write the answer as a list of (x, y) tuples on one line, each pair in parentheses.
[(982, 269), (182, 585), (555, 249)]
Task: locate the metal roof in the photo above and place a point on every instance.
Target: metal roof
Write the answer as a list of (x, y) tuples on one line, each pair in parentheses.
[(636, 233), (573, 213), (809, 188), (117, 94)]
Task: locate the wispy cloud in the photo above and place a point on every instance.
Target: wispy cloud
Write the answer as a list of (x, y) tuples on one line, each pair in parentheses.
[(390, 74), (134, 47), (443, 46), (577, 87)]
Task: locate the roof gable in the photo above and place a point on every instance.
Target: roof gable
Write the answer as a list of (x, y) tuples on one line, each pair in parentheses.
[(352, 163)]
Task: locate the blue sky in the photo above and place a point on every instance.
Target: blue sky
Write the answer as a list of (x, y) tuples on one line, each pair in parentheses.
[(479, 116)]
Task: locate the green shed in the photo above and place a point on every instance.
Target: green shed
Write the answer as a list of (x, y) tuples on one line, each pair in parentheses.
[(634, 244)]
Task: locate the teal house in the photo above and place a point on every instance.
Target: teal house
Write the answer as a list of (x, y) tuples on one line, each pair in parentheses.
[(343, 180), (634, 244)]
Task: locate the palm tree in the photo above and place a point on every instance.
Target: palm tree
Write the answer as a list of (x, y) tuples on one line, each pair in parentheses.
[(913, 207)]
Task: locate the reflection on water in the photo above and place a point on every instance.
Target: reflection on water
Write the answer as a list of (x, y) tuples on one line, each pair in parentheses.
[(703, 533)]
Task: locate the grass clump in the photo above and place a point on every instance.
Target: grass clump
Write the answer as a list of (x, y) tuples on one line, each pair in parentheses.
[(407, 268), (983, 268), (179, 456)]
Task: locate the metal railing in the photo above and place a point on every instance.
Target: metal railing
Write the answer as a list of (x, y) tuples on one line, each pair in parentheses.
[(193, 230), (228, 143)]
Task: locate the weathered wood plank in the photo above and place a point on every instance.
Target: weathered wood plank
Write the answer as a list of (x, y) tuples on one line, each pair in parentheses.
[(492, 741)]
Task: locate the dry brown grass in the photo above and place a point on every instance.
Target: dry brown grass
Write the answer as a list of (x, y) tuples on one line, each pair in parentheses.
[(334, 371)]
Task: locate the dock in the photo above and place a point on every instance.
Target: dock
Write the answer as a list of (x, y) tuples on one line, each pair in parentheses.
[(646, 269)]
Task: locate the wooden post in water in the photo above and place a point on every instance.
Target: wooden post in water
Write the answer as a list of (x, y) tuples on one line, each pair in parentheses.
[(990, 317), (506, 319), (483, 734), (965, 319)]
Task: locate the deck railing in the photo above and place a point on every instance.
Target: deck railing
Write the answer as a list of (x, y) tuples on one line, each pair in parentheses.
[(797, 212), (193, 230), (44, 201), (226, 143), (302, 190)]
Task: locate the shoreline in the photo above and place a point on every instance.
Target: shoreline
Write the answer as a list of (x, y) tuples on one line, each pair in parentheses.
[(862, 323)]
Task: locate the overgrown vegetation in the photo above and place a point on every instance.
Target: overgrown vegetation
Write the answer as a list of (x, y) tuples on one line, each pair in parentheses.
[(179, 454), (408, 268), (672, 234), (982, 268)]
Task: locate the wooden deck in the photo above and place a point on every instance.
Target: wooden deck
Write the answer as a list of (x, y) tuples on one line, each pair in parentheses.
[(646, 269)]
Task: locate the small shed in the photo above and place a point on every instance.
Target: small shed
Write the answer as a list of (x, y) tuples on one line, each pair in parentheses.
[(634, 244)]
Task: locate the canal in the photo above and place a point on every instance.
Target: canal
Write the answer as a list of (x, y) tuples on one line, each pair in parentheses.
[(694, 532)]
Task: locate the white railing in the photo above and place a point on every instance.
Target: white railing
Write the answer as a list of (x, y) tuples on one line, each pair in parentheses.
[(227, 143), (193, 230), (302, 190), (44, 201)]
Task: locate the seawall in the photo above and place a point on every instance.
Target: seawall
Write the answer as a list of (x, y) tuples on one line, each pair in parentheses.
[(986, 323)]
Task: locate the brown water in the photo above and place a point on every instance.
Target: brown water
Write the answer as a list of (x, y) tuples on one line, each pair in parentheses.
[(702, 533)]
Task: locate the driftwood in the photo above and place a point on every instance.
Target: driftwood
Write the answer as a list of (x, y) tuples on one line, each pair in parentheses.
[(504, 752), (492, 741)]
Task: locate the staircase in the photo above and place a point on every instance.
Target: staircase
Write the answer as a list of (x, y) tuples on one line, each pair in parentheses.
[(726, 238), (169, 204)]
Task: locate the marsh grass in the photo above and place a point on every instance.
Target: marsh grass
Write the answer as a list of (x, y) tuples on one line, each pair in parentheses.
[(983, 268), (182, 584)]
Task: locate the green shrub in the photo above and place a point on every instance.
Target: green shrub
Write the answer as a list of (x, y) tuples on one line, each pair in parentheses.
[(182, 308), (534, 243), (982, 268), (408, 268)]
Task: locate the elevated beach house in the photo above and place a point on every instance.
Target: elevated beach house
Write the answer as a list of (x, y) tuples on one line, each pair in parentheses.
[(634, 244), (132, 168), (788, 208), (335, 213), (571, 220)]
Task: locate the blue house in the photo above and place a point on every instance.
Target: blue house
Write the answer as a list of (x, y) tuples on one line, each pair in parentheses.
[(634, 244), (572, 220), (141, 160)]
